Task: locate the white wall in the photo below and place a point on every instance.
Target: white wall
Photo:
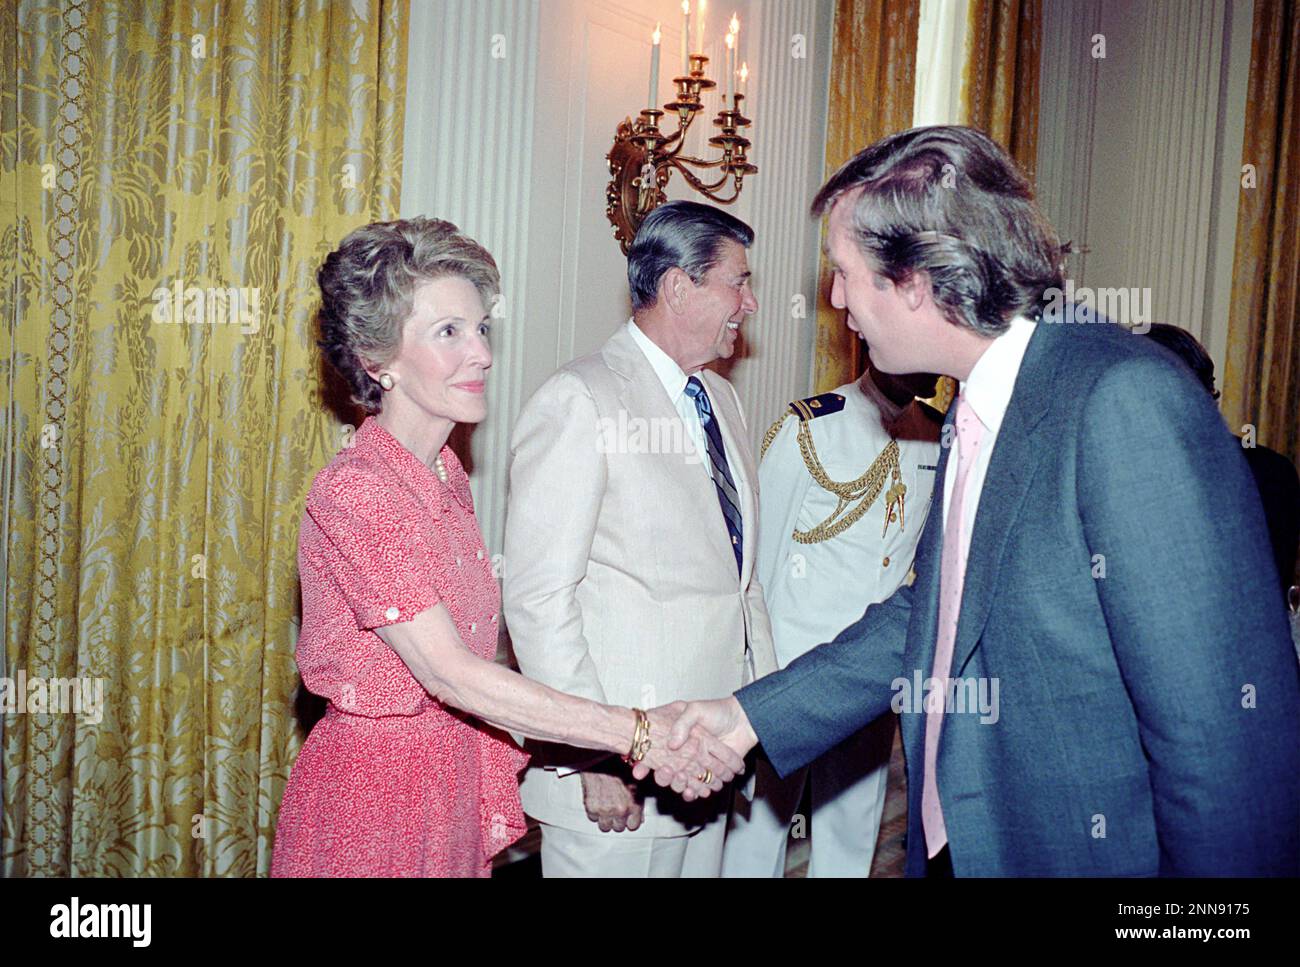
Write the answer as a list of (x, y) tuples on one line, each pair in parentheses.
[(511, 108), (1139, 151)]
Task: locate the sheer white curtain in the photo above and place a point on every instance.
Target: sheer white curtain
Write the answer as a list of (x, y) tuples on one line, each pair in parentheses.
[(940, 57)]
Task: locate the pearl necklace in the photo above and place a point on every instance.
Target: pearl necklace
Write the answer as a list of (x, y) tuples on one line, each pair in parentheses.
[(439, 468)]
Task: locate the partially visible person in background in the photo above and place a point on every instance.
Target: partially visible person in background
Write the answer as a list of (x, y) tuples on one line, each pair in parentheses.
[(1275, 475), (844, 494), (400, 607)]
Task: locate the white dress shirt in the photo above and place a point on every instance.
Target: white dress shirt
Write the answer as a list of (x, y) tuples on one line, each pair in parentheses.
[(674, 380), (988, 393)]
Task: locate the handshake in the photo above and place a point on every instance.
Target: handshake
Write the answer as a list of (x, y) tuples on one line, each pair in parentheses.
[(695, 748)]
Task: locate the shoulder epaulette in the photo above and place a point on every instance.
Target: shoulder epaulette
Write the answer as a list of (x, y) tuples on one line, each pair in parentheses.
[(805, 410), (815, 406)]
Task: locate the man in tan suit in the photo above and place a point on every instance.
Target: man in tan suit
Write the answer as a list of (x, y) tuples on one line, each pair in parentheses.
[(630, 540)]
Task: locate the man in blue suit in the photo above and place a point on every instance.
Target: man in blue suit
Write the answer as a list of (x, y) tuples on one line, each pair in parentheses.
[(1087, 683)]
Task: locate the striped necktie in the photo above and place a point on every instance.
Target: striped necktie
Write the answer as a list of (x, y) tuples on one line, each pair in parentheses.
[(728, 499)]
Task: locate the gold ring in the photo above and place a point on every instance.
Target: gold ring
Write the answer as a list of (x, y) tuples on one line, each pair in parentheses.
[(706, 777)]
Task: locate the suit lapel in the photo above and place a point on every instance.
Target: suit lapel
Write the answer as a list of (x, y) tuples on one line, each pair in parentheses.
[(643, 395), (1016, 455), (924, 624)]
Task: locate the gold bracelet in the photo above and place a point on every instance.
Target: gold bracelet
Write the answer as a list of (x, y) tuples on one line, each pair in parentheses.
[(640, 738)]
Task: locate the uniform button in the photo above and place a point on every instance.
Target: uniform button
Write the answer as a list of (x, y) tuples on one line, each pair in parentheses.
[(886, 562), (479, 555), (392, 614), (473, 627)]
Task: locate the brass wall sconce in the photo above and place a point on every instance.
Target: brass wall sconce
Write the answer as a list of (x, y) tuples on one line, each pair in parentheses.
[(643, 157)]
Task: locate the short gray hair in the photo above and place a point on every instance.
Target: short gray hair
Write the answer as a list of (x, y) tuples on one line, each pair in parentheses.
[(368, 286), (679, 234)]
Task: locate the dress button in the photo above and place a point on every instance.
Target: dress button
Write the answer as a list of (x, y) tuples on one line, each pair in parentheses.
[(479, 555), (392, 614), (473, 627), (494, 617), (886, 562), (458, 562)]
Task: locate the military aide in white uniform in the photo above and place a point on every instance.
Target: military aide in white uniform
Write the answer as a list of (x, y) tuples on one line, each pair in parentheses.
[(842, 501)]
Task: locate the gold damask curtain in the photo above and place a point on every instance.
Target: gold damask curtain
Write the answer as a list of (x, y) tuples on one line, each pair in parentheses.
[(872, 87), (999, 92), (172, 174), (1261, 384)]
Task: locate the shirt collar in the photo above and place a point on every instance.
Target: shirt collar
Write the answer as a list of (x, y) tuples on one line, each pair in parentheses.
[(670, 374), (992, 379), (414, 471)]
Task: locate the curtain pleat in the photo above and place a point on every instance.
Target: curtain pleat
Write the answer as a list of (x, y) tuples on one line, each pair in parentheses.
[(872, 88), (999, 92), (1261, 383), (173, 173)]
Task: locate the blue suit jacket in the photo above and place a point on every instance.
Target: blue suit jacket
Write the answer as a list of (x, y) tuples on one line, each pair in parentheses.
[(1148, 720)]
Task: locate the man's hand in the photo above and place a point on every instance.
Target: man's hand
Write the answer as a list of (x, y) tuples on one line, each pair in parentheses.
[(691, 742), (610, 802)]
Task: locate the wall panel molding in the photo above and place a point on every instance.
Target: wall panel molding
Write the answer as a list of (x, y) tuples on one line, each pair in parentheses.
[(789, 110), (468, 158)]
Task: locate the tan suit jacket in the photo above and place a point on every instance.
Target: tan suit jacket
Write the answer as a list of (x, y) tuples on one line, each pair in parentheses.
[(620, 584)]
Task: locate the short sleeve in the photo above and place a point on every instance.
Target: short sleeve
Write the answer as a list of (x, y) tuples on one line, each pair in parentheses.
[(378, 545)]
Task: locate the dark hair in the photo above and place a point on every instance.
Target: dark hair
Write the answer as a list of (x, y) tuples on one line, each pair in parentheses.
[(1186, 347), (679, 234), (949, 202), (367, 287)]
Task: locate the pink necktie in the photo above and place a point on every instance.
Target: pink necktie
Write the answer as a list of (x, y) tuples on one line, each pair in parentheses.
[(952, 572)]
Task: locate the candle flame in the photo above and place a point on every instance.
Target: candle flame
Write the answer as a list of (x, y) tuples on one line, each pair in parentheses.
[(686, 6), (731, 40), (744, 71), (735, 24), (656, 36)]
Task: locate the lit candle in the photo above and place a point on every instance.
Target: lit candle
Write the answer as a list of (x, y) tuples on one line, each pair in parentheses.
[(686, 36), (699, 19), (744, 76), (735, 51), (728, 68), (654, 68)]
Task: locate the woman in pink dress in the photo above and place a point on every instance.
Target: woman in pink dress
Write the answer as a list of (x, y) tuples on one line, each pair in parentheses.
[(409, 772)]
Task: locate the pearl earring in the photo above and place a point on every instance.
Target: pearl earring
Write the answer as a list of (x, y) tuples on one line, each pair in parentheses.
[(386, 380)]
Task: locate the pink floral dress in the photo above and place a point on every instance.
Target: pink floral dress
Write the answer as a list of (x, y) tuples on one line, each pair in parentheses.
[(391, 782)]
